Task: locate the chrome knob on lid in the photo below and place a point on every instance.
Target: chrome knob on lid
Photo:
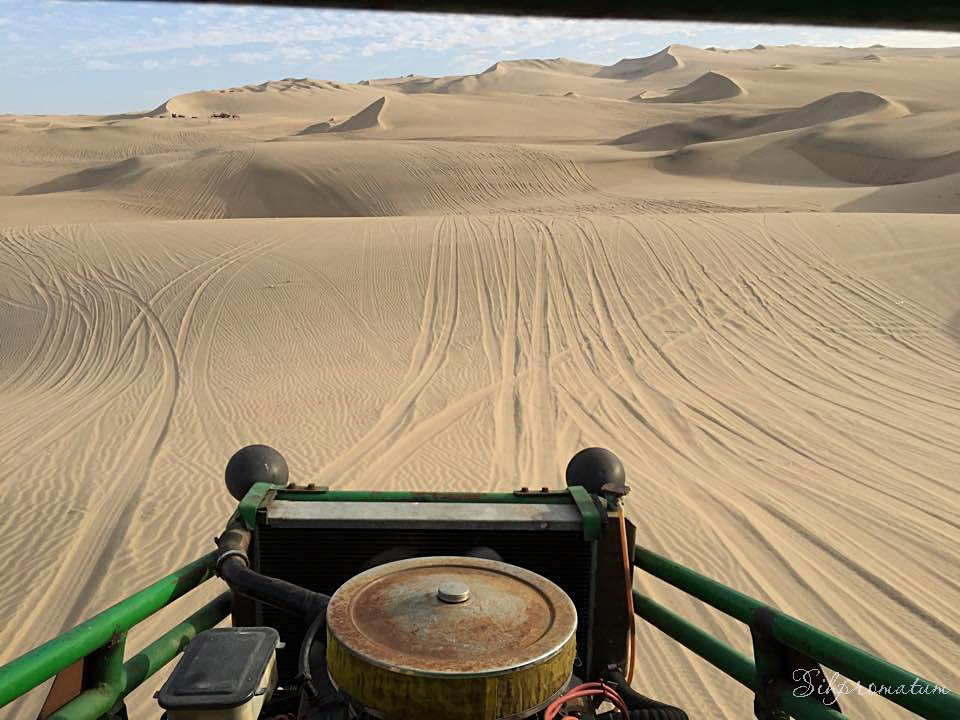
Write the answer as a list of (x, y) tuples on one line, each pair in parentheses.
[(453, 592)]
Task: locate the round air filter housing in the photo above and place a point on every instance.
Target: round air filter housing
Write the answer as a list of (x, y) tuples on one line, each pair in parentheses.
[(450, 638)]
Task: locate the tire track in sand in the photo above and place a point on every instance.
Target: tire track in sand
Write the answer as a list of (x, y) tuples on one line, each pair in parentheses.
[(437, 323), (64, 598)]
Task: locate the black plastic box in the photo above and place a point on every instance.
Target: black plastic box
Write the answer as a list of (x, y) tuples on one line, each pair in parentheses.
[(222, 668)]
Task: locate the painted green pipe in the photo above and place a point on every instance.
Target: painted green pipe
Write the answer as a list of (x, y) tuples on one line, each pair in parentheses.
[(725, 599), (90, 705), (804, 708), (721, 656), (42, 663), (554, 498), (906, 689), (104, 669), (94, 703), (158, 653), (922, 697)]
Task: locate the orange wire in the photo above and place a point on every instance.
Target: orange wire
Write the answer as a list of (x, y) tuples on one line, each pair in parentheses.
[(587, 690), (629, 584)]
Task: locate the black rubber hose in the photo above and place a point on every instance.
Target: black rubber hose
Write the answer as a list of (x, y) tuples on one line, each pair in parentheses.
[(640, 706), (317, 627), (278, 593), (233, 565)]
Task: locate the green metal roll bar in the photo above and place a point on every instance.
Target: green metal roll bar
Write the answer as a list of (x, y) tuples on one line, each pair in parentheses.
[(99, 642), (783, 634)]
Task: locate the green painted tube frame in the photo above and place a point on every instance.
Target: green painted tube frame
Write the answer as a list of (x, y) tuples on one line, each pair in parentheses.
[(42, 663), (934, 702), (98, 701), (721, 656), (102, 640)]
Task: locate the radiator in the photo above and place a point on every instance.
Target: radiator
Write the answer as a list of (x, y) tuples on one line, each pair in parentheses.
[(320, 544)]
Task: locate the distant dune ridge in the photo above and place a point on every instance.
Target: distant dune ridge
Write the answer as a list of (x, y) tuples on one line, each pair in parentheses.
[(635, 68), (370, 117), (724, 127), (709, 86), (735, 268)]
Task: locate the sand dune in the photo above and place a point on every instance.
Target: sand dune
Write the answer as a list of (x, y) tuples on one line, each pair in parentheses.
[(874, 153), (828, 109), (850, 153), (939, 194), (454, 283), (707, 87), (515, 76), (325, 179), (370, 117), (290, 96), (636, 68)]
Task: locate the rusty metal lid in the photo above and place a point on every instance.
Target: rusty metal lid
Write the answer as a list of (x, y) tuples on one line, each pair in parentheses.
[(394, 616)]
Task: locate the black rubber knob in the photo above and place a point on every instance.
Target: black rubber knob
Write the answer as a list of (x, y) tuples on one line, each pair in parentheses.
[(593, 468), (254, 464)]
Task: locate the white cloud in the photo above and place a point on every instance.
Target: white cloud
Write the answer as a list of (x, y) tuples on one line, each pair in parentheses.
[(97, 64), (150, 64), (250, 58), (209, 26), (901, 38), (472, 62), (294, 52), (201, 61), (326, 57)]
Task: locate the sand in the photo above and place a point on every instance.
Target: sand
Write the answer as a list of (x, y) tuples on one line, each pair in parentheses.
[(735, 269)]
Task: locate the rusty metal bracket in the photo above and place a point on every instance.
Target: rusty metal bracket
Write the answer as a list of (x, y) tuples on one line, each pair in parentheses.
[(544, 491), (310, 487)]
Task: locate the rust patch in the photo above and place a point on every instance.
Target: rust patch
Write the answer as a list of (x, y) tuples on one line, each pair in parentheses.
[(391, 616)]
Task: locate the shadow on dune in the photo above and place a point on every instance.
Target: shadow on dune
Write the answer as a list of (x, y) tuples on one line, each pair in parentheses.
[(86, 179), (953, 327)]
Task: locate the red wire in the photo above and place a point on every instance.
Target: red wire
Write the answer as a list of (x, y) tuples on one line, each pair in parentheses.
[(587, 690), (607, 695)]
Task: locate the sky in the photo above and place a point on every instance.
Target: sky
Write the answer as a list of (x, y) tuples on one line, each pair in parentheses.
[(110, 57)]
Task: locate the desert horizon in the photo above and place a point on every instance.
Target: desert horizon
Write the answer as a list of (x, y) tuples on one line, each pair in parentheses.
[(736, 269)]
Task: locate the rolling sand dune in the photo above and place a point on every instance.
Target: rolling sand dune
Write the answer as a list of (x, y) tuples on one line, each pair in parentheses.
[(837, 106), (636, 68), (286, 97), (710, 86), (382, 178), (371, 116), (455, 283), (515, 76)]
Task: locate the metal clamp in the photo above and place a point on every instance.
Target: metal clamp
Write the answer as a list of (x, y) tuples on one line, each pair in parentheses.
[(778, 670)]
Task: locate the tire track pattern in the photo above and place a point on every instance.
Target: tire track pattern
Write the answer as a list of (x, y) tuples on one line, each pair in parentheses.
[(788, 426)]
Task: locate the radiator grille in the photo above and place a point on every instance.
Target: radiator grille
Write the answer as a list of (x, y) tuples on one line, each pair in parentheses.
[(322, 559)]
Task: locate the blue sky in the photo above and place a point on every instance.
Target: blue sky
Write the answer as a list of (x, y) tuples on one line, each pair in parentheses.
[(104, 57)]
